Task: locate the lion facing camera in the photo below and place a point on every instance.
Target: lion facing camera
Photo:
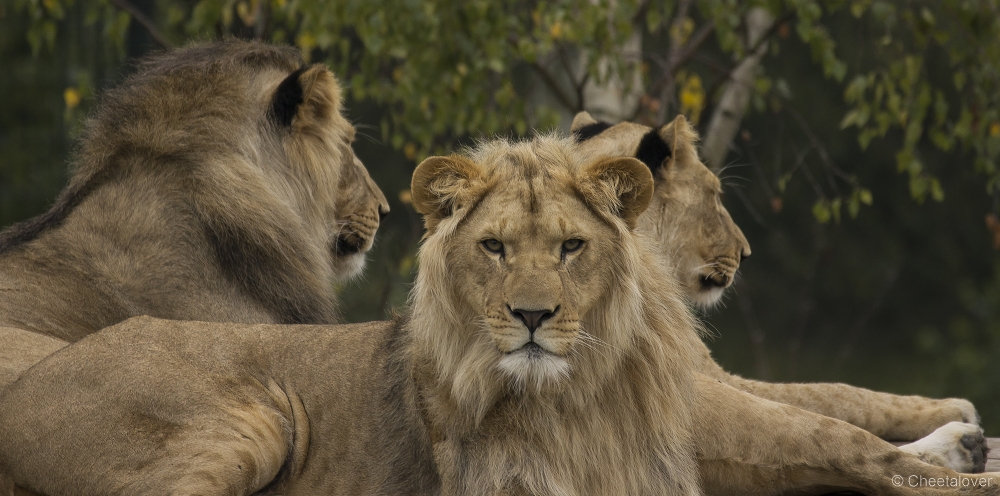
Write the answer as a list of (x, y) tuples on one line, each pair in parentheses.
[(217, 184)]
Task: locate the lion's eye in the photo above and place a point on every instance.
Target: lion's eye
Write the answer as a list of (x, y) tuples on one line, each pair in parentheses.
[(493, 246), (571, 245)]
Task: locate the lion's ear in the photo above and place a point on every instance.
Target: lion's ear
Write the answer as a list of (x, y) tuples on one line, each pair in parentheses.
[(582, 118), (308, 97), (441, 184), (679, 137), (621, 185), (584, 126)]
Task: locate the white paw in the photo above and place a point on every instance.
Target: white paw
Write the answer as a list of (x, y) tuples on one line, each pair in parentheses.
[(955, 445)]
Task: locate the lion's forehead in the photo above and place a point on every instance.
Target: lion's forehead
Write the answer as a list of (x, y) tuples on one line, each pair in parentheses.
[(536, 208)]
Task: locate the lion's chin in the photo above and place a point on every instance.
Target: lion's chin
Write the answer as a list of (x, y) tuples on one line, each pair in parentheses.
[(351, 266), (707, 298), (532, 365)]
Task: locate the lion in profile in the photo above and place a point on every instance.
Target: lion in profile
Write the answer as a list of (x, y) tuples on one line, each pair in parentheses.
[(547, 352), (692, 232), (217, 184)]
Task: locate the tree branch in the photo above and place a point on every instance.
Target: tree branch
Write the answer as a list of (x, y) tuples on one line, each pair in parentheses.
[(669, 68), (667, 95), (553, 86), (577, 86), (697, 40), (144, 21), (728, 113)]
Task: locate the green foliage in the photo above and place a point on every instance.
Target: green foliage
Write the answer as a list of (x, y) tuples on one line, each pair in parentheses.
[(448, 70), (902, 92)]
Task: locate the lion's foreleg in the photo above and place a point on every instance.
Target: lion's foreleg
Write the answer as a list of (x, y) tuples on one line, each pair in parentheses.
[(748, 445), (888, 416)]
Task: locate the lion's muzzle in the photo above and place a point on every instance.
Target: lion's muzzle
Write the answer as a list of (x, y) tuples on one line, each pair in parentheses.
[(532, 319)]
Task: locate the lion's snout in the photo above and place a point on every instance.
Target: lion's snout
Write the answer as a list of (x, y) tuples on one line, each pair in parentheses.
[(532, 319), (719, 273)]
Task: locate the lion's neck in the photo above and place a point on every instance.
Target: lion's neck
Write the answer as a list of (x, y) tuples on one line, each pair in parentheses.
[(631, 416), (123, 251)]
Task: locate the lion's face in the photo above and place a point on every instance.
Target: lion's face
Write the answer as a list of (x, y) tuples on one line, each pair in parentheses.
[(529, 252), (686, 217), (361, 206), (342, 199), (534, 267)]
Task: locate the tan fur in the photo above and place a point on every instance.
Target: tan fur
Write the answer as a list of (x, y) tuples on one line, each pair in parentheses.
[(580, 416), (692, 230), (189, 200), (688, 227), (187, 407), (697, 234), (423, 405)]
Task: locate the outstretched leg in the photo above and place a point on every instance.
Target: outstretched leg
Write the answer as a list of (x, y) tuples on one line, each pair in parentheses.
[(753, 446), (888, 416)]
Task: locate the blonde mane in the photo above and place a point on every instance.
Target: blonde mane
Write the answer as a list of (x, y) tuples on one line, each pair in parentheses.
[(634, 363)]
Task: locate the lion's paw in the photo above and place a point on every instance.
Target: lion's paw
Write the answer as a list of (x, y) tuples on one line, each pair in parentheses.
[(955, 445), (964, 410)]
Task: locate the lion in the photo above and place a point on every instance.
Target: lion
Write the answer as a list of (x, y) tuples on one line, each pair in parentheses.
[(693, 232), (547, 351), (217, 183)]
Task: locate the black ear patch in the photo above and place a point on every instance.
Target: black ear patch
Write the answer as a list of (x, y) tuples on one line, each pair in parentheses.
[(653, 151), (590, 130), (287, 99)]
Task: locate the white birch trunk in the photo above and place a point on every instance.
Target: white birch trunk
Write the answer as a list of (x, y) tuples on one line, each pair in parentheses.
[(615, 99), (728, 114)]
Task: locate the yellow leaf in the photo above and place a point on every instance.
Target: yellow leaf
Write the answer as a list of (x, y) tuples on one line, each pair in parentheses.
[(405, 197), (306, 42), (692, 98), (995, 129), (680, 32), (246, 13), (72, 97), (410, 150), (556, 30)]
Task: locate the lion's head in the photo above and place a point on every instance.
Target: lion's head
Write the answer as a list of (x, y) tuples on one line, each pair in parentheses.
[(686, 216), (256, 140), (530, 245)]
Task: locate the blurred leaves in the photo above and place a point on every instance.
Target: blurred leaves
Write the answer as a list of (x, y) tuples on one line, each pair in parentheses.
[(448, 70)]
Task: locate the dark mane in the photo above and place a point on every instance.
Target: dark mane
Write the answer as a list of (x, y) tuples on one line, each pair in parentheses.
[(196, 57)]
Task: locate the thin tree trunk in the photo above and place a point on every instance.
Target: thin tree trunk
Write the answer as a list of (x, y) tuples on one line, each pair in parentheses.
[(610, 97), (728, 114)]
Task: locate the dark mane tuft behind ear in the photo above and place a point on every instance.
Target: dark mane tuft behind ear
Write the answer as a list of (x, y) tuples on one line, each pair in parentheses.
[(590, 130), (653, 151), (287, 98)]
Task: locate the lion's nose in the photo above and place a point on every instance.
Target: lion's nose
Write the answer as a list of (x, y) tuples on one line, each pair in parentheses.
[(532, 319), (745, 254), (383, 210)]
